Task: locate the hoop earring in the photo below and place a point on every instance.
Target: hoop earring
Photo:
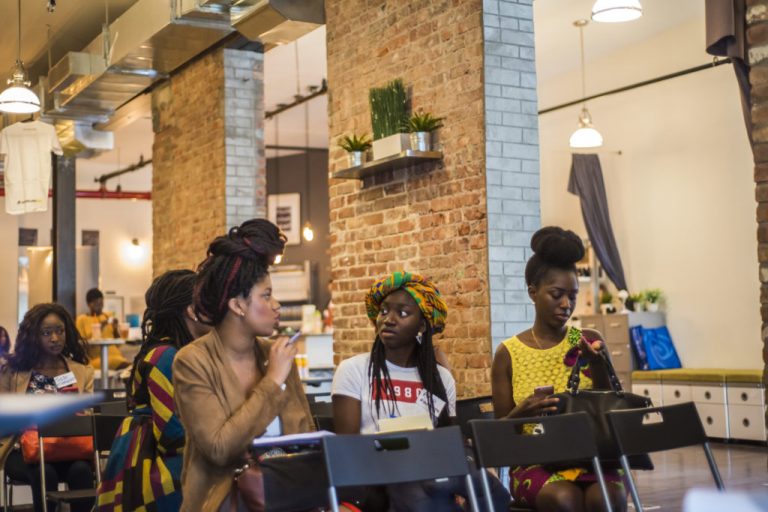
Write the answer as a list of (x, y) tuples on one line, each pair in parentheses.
[(419, 338)]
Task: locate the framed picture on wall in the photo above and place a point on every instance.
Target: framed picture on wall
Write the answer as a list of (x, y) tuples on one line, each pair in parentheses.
[(285, 211)]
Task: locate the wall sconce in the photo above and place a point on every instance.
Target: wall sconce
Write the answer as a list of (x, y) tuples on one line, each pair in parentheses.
[(134, 252)]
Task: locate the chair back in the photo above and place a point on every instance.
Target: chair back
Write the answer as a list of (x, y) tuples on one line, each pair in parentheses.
[(565, 437), (117, 408), (478, 408), (72, 426), (322, 414), (657, 429), (381, 459), (105, 427)]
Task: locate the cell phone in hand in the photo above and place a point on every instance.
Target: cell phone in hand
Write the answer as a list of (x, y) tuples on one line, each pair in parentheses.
[(294, 338), (543, 390)]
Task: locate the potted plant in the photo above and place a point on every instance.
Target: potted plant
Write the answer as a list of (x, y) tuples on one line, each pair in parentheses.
[(388, 117), (606, 302), (355, 147), (420, 126), (637, 300), (652, 299)]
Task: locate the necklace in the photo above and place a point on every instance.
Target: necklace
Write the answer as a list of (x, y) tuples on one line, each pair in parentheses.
[(536, 340)]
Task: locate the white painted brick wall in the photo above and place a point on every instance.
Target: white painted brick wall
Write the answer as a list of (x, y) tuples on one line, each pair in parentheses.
[(246, 182), (512, 159)]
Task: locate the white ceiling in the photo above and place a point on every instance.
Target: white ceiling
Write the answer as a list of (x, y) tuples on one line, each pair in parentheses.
[(76, 22), (557, 40)]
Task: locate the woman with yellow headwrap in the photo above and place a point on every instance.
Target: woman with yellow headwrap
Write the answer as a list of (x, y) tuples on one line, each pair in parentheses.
[(400, 378)]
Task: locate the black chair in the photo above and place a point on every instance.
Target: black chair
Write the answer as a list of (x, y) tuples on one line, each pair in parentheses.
[(398, 457), (502, 443), (8, 484), (105, 427), (479, 408), (322, 414), (72, 426), (639, 431), (116, 408)]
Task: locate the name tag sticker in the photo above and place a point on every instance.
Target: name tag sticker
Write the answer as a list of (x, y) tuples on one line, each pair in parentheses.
[(422, 401), (65, 380)]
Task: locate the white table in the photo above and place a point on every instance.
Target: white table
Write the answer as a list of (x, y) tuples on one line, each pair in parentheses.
[(104, 344)]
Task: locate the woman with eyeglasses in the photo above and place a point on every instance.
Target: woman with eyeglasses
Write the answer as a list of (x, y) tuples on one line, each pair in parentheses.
[(49, 357)]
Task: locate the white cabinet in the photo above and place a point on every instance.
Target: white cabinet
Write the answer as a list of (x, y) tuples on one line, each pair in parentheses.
[(676, 392), (746, 411), (714, 419), (650, 389)]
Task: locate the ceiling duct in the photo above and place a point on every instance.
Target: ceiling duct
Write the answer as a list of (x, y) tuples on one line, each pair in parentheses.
[(155, 37)]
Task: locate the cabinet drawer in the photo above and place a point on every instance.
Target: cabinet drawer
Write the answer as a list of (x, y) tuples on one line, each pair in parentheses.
[(745, 395), (746, 422), (620, 357), (650, 389), (708, 394), (714, 417), (616, 329), (592, 322), (676, 393)]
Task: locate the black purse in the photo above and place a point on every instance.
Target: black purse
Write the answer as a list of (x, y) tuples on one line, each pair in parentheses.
[(596, 403)]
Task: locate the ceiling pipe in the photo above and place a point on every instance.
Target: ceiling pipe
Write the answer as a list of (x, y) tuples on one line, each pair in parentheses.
[(103, 194)]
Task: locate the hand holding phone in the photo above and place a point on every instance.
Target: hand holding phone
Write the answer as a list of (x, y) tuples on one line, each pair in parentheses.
[(542, 391)]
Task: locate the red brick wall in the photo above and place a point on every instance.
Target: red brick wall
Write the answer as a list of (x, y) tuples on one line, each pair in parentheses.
[(188, 164), (429, 219)]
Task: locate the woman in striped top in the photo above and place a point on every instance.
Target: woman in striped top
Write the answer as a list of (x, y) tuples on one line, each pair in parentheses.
[(144, 466)]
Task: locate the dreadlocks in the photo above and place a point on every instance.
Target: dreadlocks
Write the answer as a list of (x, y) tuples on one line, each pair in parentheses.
[(381, 384), (235, 263), (167, 299), (27, 351)]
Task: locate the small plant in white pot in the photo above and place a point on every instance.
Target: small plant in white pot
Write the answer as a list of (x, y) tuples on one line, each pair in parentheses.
[(652, 299), (355, 147), (420, 126), (388, 119), (638, 301)]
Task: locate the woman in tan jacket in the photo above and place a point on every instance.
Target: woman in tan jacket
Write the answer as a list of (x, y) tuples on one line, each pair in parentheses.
[(231, 386), (49, 357)]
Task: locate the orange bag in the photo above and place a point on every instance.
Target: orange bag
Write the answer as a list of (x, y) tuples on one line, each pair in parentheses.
[(57, 449)]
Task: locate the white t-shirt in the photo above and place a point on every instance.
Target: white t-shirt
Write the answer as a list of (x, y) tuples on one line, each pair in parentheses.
[(27, 148), (351, 379)]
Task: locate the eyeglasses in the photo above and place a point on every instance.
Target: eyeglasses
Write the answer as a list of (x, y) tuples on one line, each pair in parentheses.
[(47, 332)]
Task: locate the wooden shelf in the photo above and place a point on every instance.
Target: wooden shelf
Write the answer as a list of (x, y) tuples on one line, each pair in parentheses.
[(398, 161)]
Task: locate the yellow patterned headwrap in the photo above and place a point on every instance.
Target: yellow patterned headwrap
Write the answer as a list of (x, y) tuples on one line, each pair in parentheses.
[(426, 295)]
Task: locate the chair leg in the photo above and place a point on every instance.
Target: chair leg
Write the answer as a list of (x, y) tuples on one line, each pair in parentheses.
[(472, 494), (486, 489), (601, 480), (631, 482), (333, 499), (713, 467), (43, 490)]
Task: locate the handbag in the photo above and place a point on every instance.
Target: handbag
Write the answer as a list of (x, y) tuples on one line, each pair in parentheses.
[(260, 484), (598, 402), (55, 449)]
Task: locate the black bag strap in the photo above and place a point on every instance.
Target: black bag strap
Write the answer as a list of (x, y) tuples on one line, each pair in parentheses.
[(575, 378)]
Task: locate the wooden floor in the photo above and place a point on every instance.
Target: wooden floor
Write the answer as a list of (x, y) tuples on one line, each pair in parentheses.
[(742, 467)]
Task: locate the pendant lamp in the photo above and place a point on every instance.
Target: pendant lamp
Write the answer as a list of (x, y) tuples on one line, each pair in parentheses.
[(586, 136), (616, 11), (18, 98)]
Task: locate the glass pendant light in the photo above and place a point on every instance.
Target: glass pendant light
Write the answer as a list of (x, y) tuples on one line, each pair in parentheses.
[(18, 98), (586, 136), (616, 11)]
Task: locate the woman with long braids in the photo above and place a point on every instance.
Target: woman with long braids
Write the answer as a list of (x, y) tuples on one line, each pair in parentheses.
[(147, 451), (542, 357), (49, 357), (232, 385), (400, 377)]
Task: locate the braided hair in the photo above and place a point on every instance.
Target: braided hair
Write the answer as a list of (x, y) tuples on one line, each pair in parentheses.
[(553, 247), (27, 351), (426, 364), (163, 323), (235, 263)]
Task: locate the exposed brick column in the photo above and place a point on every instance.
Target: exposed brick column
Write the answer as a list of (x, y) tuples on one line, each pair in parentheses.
[(208, 155), (431, 219), (757, 45)]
